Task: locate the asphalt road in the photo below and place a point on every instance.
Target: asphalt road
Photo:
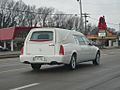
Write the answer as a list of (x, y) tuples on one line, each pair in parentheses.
[(17, 76)]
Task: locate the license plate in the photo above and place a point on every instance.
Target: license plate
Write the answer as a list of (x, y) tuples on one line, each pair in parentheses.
[(38, 58)]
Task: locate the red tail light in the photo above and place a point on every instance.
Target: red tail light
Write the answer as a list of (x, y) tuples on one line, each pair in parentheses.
[(21, 51), (61, 52)]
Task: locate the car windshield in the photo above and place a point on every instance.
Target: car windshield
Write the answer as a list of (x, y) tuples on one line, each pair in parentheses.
[(42, 35)]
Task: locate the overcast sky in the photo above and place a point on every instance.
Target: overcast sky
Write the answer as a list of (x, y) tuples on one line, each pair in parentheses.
[(96, 8)]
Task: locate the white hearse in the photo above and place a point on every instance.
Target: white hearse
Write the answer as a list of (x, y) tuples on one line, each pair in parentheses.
[(57, 46)]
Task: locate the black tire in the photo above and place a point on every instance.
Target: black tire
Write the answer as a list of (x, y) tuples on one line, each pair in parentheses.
[(72, 64), (36, 67), (97, 59)]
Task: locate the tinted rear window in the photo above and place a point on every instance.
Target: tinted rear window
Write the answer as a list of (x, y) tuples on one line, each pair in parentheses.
[(42, 35)]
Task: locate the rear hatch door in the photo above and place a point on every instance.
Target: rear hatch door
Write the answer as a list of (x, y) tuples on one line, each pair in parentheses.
[(41, 43)]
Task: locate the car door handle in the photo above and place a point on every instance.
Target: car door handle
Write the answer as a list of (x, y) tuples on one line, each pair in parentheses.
[(51, 44)]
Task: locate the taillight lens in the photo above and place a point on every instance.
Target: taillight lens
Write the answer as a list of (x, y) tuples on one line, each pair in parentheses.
[(61, 52), (21, 51)]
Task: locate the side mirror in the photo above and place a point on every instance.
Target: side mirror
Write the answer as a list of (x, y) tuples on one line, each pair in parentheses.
[(91, 44)]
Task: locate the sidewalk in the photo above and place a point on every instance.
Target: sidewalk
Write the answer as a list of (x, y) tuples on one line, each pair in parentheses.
[(112, 47), (9, 54)]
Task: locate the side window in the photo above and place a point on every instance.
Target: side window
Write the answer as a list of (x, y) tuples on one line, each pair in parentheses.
[(79, 40), (76, 39), (86, 40)]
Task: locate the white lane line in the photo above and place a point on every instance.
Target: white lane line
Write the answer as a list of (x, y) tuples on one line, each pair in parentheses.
[(12, 70), (26, 86), (104, 54)]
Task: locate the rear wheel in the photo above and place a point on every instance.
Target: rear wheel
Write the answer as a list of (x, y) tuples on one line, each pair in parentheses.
[(36, 67), (97, 59), (73, 63)]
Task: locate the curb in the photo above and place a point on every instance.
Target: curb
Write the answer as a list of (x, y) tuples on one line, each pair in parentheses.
[(9, 56), (111, 48)]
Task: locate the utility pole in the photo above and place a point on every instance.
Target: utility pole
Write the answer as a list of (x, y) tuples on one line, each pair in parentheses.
[(85, 16), (81, 18)]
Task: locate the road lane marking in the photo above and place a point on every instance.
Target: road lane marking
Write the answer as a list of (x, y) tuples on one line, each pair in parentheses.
[(12, 70), (104, 54), (26, 86)]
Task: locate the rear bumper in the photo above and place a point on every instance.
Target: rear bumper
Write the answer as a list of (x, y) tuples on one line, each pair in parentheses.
[(28, 59)]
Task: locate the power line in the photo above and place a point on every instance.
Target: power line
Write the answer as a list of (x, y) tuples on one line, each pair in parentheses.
[(35, 12), (51, 14)]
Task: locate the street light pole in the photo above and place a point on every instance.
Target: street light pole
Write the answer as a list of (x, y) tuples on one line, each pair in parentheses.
[(81, 19)]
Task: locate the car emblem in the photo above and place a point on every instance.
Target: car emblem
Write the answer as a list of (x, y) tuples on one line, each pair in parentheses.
[(40, 49)]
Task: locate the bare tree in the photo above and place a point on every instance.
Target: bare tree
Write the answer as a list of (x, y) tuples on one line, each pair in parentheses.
[(71, 22), (59, 19), (7, 18), (19, 14), (25, 15), (44, 14)]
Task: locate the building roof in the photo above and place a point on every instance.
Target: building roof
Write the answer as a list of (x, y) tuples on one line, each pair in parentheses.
[(12, 32)]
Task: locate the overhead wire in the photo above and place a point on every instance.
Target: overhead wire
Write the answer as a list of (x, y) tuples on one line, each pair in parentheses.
[(18, 10)]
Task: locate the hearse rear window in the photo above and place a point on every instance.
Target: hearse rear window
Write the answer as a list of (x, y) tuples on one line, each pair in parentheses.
[(42, 36)]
